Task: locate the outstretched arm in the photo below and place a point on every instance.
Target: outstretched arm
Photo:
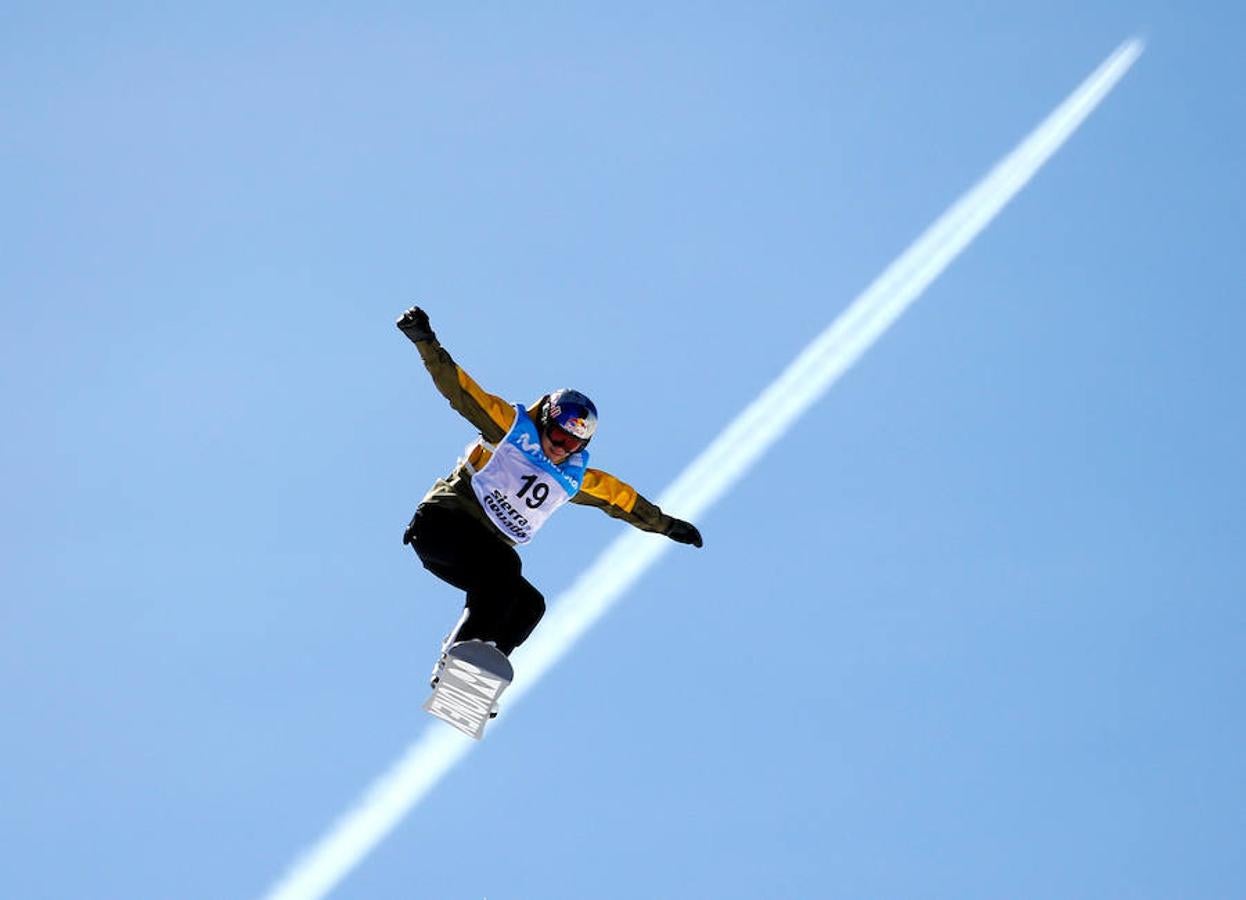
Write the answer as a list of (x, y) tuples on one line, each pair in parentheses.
[(621, 501), (492, 415)]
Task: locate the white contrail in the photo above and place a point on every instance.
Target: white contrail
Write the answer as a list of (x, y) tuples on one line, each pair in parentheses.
[(706, 480)]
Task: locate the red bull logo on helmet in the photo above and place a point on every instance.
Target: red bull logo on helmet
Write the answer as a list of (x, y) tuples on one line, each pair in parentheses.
[(573, 412), (581, 428)]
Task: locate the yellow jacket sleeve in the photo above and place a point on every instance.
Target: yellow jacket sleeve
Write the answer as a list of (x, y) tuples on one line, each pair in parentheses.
[(621, 501), (490, 414)]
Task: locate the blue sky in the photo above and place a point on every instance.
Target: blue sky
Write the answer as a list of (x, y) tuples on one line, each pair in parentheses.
[(1004, 551)]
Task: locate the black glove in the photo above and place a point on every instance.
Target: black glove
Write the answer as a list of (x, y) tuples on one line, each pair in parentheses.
[(414, 324), (684, 532)]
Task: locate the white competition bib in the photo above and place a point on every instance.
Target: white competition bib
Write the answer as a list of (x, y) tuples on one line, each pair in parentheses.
[(519, 488)]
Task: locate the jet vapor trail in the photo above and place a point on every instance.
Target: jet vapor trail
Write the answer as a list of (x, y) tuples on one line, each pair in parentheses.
[(706, 480)]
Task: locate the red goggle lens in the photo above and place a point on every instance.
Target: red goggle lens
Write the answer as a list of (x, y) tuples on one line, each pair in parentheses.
[(560, 437)]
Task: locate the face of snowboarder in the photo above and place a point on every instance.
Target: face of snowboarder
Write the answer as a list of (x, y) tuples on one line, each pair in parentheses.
[(558, 444)]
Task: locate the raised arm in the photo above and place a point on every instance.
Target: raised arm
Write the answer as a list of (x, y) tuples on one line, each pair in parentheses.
[(489, 413), (621, 501)]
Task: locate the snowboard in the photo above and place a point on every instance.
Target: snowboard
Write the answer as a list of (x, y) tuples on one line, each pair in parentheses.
[(472, 679)]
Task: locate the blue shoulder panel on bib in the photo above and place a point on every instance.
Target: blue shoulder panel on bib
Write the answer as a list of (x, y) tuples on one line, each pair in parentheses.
[(527, 439)]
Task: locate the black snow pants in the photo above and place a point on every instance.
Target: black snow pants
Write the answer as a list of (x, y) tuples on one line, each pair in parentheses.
[(457, 548)]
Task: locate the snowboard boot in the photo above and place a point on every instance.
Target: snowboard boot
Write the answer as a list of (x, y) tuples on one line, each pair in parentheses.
[(446, 644)]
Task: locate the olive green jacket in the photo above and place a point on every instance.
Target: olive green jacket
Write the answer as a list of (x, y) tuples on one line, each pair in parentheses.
[(493, 417)]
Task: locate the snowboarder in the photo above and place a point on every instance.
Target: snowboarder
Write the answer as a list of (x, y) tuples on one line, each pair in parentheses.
[(527, 462)]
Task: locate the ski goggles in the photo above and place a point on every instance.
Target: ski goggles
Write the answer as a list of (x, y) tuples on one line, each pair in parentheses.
[(559, 437)]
